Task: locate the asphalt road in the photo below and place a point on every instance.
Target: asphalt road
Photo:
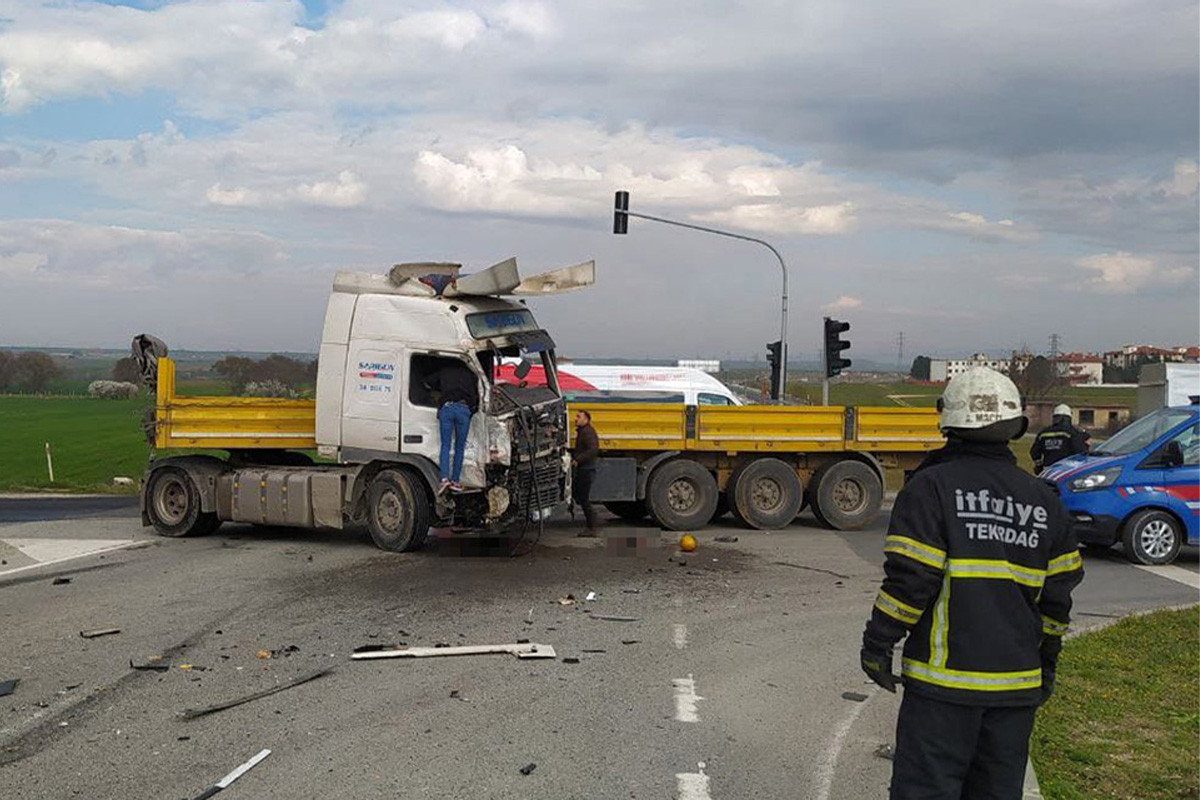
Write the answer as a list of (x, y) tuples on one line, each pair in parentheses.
[(729, 683)]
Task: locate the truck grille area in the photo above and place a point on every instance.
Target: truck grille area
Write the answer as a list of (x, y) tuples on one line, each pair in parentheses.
[(542, 487)]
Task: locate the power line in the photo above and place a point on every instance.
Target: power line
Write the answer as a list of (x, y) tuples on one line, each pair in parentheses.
[(900, 351), (1055, 342)]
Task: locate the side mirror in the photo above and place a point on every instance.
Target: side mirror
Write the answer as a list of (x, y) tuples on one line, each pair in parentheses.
[(1172, 454), (522, 369)]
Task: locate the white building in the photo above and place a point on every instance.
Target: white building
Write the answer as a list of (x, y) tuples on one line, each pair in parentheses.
[(942, 369), (1081, 369)]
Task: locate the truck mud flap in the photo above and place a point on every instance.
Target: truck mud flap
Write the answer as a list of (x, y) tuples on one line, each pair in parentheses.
[(616, 479)]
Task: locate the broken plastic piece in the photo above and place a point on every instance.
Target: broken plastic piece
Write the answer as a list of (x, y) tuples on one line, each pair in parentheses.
[(590, 596), (7, 687), (855, 696), (192, 713), (233, 776), (59, 581), (99, 632), (529, 650), (568, 600), (528, 768)]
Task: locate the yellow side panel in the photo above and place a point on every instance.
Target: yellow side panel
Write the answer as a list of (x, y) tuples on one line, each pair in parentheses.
[(786, 429), (896, 429), (635, 426), (224, 423)]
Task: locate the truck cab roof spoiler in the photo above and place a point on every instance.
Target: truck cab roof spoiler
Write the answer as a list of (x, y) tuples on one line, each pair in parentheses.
[(441, 279)]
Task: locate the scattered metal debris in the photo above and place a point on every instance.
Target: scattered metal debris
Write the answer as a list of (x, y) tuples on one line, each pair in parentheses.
[(526, 650), (593, 650), (99, 632), (528, 768), (233, 776), (149, 667), (7, 687), (855, 696), (59, 581), (886, 751), (192, 713), (726, 539), (615, 618), (570, 660)]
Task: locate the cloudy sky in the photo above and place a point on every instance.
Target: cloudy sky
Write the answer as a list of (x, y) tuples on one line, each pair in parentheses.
[(976, 175)]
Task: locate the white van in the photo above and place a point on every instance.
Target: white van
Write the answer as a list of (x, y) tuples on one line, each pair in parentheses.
[(593, 383)]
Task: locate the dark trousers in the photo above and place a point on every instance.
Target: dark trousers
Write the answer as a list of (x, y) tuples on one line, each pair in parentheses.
[(946, 751), (581, 489)]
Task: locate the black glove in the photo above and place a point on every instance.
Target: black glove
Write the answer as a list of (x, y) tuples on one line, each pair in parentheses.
[(877, 663), (1047, 684), (1051, 645)]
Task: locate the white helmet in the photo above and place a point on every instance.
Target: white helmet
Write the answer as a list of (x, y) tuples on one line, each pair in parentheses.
[(1062, 410), (978, 398)]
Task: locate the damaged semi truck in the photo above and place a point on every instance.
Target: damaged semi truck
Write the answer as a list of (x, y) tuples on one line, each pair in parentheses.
[(374, 423)]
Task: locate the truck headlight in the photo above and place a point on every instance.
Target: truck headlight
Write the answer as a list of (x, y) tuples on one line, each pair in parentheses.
[(1100, 479)]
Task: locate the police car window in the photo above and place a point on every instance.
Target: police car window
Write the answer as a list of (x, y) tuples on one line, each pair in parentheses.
[(708, 399), (1189, 442)]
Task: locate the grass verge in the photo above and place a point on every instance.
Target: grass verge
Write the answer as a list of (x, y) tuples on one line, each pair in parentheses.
[(1124, 721)]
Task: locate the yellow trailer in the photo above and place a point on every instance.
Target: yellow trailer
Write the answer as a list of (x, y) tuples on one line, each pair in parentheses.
[(683, 465)]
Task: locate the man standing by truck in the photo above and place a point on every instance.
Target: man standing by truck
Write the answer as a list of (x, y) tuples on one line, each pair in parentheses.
[(980, 565), (587, 450), (458, 400), (1059, 441)]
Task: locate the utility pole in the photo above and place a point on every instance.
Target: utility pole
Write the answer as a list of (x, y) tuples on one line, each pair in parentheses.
[(900, 352), (1055, 342), (621, 215)]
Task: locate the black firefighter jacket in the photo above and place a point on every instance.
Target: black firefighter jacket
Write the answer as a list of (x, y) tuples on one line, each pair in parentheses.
[(1057, 442), (980, 565)]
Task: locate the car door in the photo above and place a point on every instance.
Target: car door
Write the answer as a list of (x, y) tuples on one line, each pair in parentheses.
[(1182, 481)]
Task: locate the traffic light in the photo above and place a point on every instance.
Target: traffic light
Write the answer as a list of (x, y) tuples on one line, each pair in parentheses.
[(620, 218), (775, 359), (834, 345)]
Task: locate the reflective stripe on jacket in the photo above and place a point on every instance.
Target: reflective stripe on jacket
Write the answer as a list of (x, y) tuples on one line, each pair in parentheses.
[(980, 563)]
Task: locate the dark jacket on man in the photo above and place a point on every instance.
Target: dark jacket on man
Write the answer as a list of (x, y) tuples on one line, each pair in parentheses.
[(1060, 440), (457, 384), (587, 447)]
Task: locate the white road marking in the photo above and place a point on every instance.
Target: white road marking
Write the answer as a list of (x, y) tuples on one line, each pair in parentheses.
[(121, 546), (57, 549), (692, 785), (1174, 572), (686, 699), (680, 636), (827, 766)]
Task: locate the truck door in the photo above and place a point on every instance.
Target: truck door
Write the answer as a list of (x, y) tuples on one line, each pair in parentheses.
[(419, 428), (371, 397)]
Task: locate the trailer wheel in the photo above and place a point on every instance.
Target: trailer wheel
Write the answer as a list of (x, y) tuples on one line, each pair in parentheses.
[(398, 511), (682, 495), (173, 504), (767, 494), (847, 495), (628, 510)]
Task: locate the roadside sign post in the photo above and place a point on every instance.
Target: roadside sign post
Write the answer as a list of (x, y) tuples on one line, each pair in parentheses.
[(621, 215), (50, 461)]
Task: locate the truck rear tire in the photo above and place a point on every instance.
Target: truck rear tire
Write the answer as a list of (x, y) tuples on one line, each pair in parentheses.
[(173, 504), (767, 494), (628, 510), (398, 512), (846, 495), (682, 495), (1152, 537)]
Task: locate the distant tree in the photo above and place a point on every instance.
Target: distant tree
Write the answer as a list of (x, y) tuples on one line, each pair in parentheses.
[(920, 369), (1036, 378), (238, 370), (34, 371), (126, 371), (7, 370)]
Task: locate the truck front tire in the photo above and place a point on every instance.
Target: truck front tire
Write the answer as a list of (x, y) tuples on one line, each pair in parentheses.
[(682, 495), (398, 512), (173, 504), (846, 495), (767, 494)]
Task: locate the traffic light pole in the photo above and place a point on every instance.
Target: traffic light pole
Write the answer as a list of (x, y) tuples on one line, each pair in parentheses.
[(783, 327)]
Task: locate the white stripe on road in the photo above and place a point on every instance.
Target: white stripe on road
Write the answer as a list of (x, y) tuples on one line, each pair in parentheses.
[(45, 550), (827, 766), (1174, 572), (680, 636), (686, 699), (692, 785), (121, 546)]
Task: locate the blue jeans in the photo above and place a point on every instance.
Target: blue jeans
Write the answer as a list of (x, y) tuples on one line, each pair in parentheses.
[(455, 421)]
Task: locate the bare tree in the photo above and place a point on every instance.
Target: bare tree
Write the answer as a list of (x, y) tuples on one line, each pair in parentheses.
[(34, 371)]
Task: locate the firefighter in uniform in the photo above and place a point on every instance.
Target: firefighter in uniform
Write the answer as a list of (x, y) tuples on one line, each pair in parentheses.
[(980, 565), (1060, 440)]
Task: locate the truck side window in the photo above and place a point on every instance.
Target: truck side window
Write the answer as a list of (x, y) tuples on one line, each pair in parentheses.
[(420, 370)]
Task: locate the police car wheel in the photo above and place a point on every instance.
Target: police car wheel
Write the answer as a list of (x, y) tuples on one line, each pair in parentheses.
[(1152, 537)]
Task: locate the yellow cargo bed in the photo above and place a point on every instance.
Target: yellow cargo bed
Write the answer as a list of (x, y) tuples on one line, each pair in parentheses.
[(229, 423)]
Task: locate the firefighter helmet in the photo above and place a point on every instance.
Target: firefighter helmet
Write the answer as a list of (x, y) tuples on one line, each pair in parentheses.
[(978, 398), (1062, 410)]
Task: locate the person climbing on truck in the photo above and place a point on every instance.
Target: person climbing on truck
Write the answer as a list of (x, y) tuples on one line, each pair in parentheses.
[(458, 399)]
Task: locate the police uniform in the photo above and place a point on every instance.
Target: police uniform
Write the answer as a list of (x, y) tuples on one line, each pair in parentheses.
[(980, 565), (1060, 440)]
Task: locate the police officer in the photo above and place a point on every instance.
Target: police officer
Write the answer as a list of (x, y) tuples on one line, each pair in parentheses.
[(1060, 440), (980, 565)]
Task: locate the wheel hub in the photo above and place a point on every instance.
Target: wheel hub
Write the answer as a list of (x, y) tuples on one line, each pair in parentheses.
[(849, 496), (681, 495), (387, 511), (766, 494), (1157, 538), (171, 501)]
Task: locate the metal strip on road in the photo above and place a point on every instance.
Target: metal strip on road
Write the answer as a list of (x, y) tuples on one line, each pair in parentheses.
[(1174, 572)]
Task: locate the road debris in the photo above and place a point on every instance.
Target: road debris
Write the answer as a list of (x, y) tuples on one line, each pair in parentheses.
[(233, 776), (529, 616), (632, 591), (726, 539), (855, 696), (570, 660), (99, 632), (59, 581), (263, 654), (7, 687), (193, 713), (568, 600), (526, 650), (149, 667), (615, 618), (593, 650), (590, 596), (885, 751), (528, 768), (631, 641)]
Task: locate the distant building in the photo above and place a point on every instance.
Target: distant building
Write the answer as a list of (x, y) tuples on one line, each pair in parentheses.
[(1092, 417), (942, 369), (1131, 355), (704, 365), (1081, 369)]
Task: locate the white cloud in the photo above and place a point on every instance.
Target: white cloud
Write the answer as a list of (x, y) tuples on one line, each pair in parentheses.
[(531, 18), (452, 29), (240, 197), (348, 191), (1124, 273), (843, 303)]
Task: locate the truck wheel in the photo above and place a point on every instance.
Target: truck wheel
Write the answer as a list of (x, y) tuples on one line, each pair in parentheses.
[(767, 494), (173, 504), (1152, 537), (628, 510), (847, 495), (398, 512), (682, 495)]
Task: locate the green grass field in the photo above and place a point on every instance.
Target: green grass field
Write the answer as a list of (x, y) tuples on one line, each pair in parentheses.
[(1124, 721), (92, 440)]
